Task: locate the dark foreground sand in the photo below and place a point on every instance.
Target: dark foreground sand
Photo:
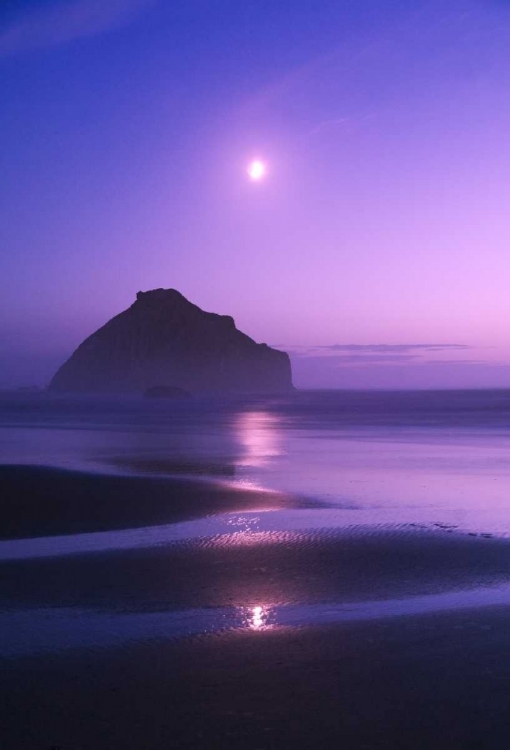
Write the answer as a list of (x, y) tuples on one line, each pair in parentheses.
[(42, 501), (429, 682), (440, 680)]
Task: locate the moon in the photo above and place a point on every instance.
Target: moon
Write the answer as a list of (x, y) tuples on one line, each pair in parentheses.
[(256, 170)]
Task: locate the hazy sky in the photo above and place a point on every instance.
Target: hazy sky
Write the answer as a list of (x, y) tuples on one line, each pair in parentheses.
[(377, 248)]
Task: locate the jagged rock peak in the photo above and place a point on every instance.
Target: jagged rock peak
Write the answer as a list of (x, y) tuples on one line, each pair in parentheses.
[(159, 296), (171, 298)]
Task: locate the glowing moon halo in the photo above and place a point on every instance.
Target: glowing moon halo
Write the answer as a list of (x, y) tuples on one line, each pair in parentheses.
[(256, 169)]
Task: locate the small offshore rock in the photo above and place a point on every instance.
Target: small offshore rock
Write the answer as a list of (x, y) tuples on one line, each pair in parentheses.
[(166, 391)]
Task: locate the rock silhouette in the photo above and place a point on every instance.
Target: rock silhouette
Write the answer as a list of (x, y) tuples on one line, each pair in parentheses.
[(163, 340)]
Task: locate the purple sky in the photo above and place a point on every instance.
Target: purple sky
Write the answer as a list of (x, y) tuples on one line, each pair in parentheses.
[(376, 250)]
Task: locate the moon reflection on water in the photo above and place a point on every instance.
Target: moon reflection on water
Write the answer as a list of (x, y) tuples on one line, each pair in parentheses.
[(257, 618)]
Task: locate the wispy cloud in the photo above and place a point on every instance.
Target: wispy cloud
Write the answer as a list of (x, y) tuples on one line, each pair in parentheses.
[(396, 348), (370, 360), (62, 22), (332, 124), (371, 352)]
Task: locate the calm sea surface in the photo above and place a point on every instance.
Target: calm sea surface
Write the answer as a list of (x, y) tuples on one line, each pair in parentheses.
[(384, 458)]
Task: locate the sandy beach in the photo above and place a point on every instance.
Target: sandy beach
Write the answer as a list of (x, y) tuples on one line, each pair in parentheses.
[(355, 637)]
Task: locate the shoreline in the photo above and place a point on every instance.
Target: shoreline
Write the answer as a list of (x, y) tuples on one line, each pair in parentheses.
[(66, 630)]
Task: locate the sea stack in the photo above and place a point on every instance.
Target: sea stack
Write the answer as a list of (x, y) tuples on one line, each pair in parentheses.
[(164, 341)]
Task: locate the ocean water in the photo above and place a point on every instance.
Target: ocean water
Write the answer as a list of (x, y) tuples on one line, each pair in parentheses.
[(383, 476), (437, 458)]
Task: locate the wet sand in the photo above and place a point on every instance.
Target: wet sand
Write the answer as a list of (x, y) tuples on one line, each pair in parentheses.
[(438, 680), (246, 570)]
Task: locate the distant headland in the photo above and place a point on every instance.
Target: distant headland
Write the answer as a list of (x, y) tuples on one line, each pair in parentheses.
[(165, 341)]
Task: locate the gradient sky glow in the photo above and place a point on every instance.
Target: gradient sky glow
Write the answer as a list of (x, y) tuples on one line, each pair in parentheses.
[(376, 249)]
